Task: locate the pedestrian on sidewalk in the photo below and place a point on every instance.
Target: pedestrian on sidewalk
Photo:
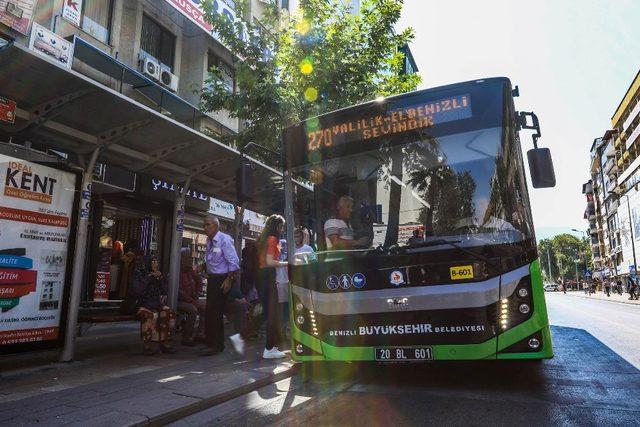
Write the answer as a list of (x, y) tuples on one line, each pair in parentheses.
[(269, 259), (607, 287), (221, 266), (189, 301), (157, 319), (632, 287)]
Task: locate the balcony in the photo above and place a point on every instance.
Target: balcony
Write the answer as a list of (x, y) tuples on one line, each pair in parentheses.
[(633, 137), (610, 166), (587, 188), (611, 185), (632, 115)]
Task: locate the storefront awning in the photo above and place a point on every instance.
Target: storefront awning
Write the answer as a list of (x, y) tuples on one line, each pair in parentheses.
[(66, 110)]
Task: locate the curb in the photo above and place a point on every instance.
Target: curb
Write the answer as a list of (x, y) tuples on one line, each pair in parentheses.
[(209, 402), (602, 299)]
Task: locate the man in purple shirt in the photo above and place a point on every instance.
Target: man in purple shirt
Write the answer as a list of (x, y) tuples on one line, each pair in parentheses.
[(221, 262)]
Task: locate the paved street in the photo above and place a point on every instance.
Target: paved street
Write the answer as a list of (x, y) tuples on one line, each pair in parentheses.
[(591, 381)]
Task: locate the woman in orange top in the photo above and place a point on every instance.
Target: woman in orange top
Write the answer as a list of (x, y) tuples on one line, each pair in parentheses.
[(268, 259)]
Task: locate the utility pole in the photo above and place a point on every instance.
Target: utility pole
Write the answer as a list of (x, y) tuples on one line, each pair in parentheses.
[(549, 263)]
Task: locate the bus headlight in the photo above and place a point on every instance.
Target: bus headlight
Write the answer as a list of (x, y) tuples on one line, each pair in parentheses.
[(522, 292), (524, 308), (300, 320), (534, 343), (299, 349), (299, 306)]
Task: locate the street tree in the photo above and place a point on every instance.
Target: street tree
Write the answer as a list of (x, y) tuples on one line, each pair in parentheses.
[(290, 68), (569, 249)]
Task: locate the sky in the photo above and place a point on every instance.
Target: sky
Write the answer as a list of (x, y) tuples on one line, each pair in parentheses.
[(572, 60)]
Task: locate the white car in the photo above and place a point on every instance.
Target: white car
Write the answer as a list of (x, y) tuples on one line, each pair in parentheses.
[(551, 287)]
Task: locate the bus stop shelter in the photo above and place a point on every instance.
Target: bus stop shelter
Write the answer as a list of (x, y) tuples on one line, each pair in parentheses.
[(64, 110)]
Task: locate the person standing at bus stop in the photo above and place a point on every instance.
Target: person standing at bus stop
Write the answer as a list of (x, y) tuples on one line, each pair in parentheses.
[(268, 260), (221, 266)]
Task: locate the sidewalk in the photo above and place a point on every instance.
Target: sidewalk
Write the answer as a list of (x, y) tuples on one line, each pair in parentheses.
[(623, 299), (119, 386)]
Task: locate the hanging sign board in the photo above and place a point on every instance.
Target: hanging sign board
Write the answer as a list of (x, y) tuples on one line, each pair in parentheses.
[(51, 45), (36, 205), (7, 110), (17, 14), (71, 11)]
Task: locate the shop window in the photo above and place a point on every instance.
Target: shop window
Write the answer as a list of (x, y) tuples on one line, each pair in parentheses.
[(96, 18), (157, 41), (228, 75)]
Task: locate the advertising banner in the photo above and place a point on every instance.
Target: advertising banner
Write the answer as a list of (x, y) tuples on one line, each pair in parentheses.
[(71, 11), (51, 45), (7, 110), (17, 14), (36, 205), (194, 12)]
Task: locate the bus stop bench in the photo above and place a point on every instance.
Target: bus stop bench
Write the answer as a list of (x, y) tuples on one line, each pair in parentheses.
[(89, 316)]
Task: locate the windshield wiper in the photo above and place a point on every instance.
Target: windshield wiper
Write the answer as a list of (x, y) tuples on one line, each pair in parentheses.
[(453, 243)]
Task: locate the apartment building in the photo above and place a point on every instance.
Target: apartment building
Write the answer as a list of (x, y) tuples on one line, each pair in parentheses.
[(166, 40), (613, 198)]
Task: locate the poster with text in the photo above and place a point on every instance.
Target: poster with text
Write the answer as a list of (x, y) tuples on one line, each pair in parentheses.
[(17, 14), (36, 204)]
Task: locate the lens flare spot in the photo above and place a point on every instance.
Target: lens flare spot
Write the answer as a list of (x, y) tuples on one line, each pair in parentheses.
[(311, 94), (303, 26), (306, 66)]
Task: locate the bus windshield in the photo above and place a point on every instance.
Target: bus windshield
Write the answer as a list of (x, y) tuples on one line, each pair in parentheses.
[(464, 188), (462, 185)]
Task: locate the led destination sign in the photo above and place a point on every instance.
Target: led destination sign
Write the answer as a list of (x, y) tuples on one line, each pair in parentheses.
[(396, 121)]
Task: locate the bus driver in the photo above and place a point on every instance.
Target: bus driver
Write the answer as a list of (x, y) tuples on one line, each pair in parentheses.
[(338, 232)]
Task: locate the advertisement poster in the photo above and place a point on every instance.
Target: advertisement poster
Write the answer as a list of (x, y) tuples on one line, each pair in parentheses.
[(7, 110), (36, 205), (50, 44), (194, 12), (71, 11), (17, 14)]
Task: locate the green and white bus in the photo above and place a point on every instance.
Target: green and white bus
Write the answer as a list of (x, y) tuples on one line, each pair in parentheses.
[(421, 219)]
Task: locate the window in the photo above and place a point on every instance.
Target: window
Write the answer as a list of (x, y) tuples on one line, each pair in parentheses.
[(228, 75), (157, 41), (96, 18)]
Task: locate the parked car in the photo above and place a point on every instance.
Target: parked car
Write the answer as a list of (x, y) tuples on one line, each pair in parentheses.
[(551, 287)]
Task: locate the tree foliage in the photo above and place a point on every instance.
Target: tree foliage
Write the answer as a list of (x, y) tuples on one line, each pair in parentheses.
[(562, 252), (292, 68)]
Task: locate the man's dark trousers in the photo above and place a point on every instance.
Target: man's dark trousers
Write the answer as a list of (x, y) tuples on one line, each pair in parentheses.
[(214, 326)]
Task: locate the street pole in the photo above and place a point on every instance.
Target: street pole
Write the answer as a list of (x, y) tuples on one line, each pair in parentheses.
[(633, 246), (577, 261), (549, 264), (176, 242), (80, 256)]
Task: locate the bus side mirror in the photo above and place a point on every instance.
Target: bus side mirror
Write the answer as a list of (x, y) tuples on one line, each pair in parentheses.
[(541, 168), (244, 182)]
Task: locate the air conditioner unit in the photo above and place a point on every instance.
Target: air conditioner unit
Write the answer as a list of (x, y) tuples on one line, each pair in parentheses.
[(150, 67), (169, 80)]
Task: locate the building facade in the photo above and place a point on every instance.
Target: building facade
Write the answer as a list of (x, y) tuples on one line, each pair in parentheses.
[(613, 199)]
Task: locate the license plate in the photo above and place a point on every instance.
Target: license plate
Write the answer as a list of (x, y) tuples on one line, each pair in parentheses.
[(400, 354)]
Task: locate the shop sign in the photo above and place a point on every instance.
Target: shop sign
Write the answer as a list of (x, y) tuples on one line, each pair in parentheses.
[(7, 110), (36, 205), (71, 11), (159, 185), (193, 10), (17, 14), (51, 45), (103, 285), (221, 208)]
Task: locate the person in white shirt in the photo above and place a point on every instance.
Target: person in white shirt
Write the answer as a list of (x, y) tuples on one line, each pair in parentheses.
[(338, 232)]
